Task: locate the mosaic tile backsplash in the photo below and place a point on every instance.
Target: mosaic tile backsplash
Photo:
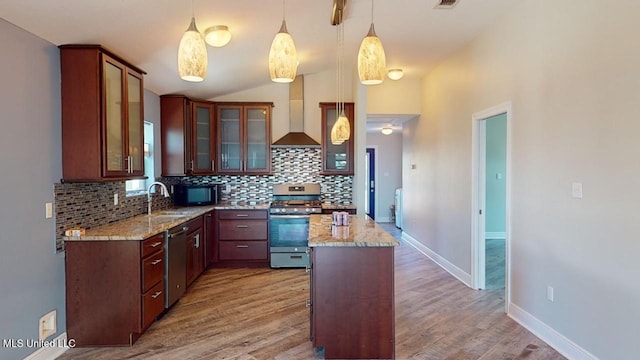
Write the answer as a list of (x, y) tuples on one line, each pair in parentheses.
[(91, 204)]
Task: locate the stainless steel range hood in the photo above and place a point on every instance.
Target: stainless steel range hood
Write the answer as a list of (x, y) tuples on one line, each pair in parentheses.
[(296, 137)]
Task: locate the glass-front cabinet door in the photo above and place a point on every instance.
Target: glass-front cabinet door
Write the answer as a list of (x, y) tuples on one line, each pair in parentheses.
[(123, 146), (135, 162), (244, 138), (230, 133), (203, 141), (337, 159), (114, 153), (258, 139)]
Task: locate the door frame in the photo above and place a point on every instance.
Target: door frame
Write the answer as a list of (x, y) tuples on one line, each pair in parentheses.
[(372, 167), (478, 189)]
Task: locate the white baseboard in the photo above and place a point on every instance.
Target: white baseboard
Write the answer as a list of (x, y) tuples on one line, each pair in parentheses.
[(556, 340), (495, 235), (444, 263), (55, 348), (383, 219)]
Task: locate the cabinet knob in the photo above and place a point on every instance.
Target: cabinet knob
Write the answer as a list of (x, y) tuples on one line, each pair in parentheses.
[(156, 262)]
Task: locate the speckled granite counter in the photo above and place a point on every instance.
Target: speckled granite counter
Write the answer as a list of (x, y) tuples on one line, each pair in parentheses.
[(242, 205), (144, 226), (362, 232), (336, 206)]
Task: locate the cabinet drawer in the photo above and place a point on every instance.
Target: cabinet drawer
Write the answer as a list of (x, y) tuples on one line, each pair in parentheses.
[(152, 304), (242, 214), (152, 244), (152, 270), (243, 250), (243, 230)]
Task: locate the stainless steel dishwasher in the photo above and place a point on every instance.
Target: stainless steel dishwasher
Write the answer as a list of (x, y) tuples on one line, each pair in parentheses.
[(175, 265)]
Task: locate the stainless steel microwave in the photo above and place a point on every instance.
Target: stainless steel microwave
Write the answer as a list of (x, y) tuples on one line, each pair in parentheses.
[(192, 195)]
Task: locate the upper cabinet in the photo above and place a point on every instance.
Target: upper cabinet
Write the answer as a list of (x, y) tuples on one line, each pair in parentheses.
[(337, 159), (244, 138), (102, 115), (188, 136)]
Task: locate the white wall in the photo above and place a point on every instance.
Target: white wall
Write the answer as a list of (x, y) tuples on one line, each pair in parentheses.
[(389, 171), (571, 70)]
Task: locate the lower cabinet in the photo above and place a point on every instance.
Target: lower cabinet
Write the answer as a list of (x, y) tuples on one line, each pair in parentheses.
[(195, 249), (114, 289), (243, 237), (352, 302)]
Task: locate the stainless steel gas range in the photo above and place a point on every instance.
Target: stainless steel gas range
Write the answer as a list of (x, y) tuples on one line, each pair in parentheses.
[(289, 223)]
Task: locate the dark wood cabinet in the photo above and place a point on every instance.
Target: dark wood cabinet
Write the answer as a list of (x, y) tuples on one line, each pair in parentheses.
[(352, 302), (195, 249), (242, 237), (244, 138), (337, 159), (102, 115), (114, 289), (188, 136), (210, 233)]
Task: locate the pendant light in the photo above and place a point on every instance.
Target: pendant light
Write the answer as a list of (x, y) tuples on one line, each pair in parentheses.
[(341, 129), (372, 63), (192, 54), (387, 130), (283, 59)]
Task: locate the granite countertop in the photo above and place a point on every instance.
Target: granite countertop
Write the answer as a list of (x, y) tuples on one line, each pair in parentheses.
[(338, 206), (144, 226), (362, 232), (242, 205)]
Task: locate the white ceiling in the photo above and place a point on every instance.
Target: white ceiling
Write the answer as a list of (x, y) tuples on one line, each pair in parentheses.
[(147, 33)]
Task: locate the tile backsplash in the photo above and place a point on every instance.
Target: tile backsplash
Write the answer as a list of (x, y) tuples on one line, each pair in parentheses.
[(91, 204)]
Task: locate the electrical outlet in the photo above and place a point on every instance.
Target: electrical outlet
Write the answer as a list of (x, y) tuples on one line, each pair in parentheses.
[(47, 325), (48, 210), (115, 199), (550, 293)]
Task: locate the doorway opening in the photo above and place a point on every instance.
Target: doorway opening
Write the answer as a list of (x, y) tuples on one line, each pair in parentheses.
[(370, 174), (491, 144)]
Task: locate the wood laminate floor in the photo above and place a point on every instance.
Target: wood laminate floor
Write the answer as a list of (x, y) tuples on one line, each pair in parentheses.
[(255, 314)]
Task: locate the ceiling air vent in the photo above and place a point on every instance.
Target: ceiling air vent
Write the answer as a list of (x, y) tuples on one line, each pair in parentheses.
[(446, 4)]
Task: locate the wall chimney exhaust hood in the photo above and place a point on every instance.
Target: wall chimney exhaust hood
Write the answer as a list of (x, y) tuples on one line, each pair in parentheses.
[(296, 136)]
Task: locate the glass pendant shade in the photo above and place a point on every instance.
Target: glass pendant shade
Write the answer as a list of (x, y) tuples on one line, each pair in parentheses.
[(372, 63), (395, 74), (192, 55), (283, 59), (341, 130), (387, 130)]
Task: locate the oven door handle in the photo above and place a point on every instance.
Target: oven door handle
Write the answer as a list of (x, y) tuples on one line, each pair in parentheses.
[(289, 216)]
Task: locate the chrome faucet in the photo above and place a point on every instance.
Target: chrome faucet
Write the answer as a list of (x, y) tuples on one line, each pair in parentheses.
[(163, 190)]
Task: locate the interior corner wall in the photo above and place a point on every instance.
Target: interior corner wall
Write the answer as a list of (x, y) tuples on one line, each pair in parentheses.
[(574, 82), (31, 272)]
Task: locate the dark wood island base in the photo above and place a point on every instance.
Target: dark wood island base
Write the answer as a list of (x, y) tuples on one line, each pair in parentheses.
[(352, 289)]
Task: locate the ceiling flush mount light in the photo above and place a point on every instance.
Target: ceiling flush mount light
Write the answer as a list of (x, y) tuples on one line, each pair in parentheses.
[(283, 59), (372, 63), (217, 36), (192, 54), (387, 130), (395, 74)]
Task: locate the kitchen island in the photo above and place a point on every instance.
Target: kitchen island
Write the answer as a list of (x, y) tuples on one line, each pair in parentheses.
[(352, 291)]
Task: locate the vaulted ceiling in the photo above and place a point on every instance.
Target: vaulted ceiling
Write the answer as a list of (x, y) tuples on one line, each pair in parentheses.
[(147, 32)]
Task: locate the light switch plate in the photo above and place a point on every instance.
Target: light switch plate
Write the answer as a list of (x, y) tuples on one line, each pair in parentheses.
[(576, 190), (48, 210)]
